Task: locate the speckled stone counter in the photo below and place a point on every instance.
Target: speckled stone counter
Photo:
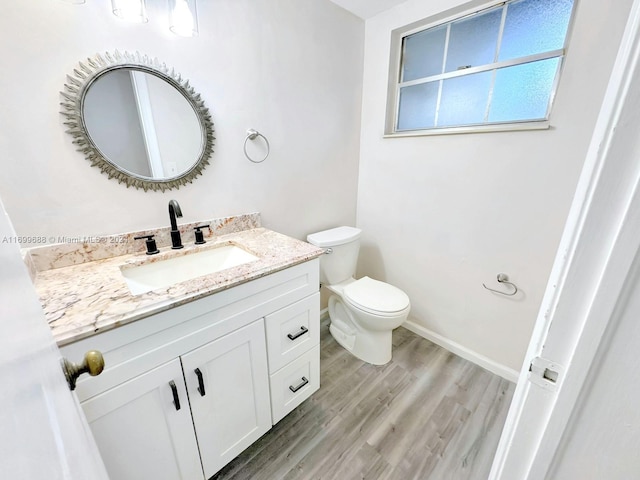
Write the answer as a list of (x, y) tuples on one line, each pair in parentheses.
[(85, 295)]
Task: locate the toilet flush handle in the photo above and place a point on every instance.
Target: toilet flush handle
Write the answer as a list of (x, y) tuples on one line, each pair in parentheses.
[(328, 251)]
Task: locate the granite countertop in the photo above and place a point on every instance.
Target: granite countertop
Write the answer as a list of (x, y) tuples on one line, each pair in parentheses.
[(82, 299)]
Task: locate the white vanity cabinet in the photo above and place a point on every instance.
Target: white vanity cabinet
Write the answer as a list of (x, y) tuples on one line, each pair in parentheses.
[(235, 361)]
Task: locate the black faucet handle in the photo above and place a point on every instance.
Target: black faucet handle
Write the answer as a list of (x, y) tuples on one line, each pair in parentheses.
[(200, 235), (152, 248)]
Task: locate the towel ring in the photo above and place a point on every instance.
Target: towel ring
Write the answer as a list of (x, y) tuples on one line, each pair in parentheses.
[(252, 135), (503, 278)]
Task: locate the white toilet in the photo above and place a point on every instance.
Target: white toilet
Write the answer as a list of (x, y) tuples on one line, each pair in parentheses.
[(363, 312)]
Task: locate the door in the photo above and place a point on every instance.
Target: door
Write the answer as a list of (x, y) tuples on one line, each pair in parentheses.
[(228, 385), (44, 434), (143, 427), (574, 412)]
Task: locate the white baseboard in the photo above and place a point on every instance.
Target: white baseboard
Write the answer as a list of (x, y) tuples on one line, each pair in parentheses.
[(486, 363)]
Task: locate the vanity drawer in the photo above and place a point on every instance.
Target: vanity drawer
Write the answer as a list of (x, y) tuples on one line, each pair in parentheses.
[(293, 384), (292, 331)]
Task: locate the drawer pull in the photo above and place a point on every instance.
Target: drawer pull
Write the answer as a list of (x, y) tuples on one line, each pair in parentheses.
[(302, 331), (174, 390), (302, 384), (200, 382)]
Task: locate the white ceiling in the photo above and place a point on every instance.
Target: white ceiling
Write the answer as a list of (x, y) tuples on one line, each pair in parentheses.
[(367, 8)]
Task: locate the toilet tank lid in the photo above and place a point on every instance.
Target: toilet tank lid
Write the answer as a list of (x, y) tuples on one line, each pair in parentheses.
[(334, 236)]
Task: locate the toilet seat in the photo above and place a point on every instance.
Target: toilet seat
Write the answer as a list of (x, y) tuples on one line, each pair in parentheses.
[(375, 297)]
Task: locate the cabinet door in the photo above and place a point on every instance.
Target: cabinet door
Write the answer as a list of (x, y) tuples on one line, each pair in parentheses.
[(139, 430), (229, 394)]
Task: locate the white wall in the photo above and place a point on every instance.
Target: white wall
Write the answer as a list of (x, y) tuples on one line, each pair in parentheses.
[(443, 214), (291, 69)]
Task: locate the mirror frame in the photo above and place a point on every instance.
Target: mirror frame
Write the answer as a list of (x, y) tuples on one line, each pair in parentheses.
[(74, 94)]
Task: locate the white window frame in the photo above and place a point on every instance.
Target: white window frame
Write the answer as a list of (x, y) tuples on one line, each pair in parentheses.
[(448, 17)]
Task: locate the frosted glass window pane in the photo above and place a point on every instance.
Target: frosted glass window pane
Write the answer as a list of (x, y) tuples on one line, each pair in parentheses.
[(464, 99), (534, 26), (473, 41), (423, 54), (522, 92), (417, 106)]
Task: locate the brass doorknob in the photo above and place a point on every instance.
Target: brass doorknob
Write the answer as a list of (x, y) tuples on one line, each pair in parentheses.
[(93, 364)]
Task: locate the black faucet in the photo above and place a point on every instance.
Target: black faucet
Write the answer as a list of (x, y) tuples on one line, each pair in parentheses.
[(175, 211)]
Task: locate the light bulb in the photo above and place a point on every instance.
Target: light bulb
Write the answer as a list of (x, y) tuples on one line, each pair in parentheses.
[(131, 10), (184, 18)]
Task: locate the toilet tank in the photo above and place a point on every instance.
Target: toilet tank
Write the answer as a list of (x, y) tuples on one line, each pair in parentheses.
[(340, 264)]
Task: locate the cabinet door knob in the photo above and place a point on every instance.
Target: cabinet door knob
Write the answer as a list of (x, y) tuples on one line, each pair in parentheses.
[(174, 391), (200, 382), (92, 363), (302, 331)]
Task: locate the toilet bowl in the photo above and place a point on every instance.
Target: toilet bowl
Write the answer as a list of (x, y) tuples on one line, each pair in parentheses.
[(362, 312)]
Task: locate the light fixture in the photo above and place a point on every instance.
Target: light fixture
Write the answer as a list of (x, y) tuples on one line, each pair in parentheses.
[(183, 17), (131, 10)]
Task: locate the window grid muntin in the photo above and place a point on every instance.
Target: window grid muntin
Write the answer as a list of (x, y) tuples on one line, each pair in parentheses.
[(489, 66), (444, 62), (495, 60)]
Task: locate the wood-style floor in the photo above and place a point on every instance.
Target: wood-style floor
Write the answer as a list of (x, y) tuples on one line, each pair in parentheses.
[(427, 414)]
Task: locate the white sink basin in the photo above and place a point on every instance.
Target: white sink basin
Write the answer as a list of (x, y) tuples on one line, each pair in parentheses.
[(164, 273)]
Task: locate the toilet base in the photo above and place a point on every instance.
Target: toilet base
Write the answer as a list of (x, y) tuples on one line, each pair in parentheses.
[(372, 347)]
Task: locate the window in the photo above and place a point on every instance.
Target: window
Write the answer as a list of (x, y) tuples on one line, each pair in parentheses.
[(497, 66)]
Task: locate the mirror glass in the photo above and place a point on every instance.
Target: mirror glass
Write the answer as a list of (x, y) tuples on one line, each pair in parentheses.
[(142, 124), (139, 122)]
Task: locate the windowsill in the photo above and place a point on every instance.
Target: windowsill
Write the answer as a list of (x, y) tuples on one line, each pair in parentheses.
[(505, 127)]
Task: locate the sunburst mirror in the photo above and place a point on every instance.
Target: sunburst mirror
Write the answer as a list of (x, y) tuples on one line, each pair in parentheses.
[(137, 121)]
